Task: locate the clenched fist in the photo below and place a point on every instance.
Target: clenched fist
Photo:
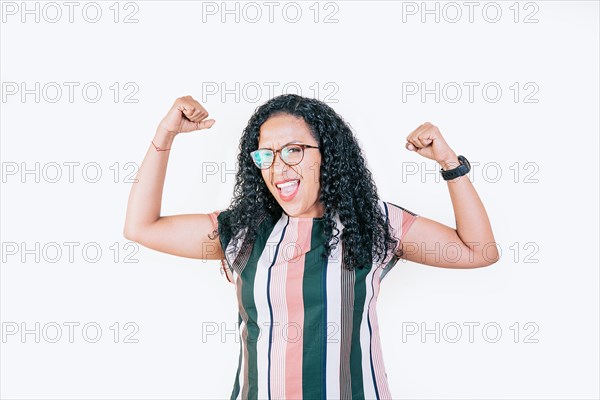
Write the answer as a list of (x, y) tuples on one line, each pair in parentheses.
[(186, 115), (428, 142)]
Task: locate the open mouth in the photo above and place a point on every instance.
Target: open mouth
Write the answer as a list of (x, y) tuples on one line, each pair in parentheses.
[(288, 190)]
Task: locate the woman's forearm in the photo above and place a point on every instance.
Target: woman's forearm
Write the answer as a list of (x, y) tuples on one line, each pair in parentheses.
[(472, 223), (145, 197)]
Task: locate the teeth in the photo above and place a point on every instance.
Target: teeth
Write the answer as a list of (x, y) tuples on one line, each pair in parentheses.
[(287, 184)]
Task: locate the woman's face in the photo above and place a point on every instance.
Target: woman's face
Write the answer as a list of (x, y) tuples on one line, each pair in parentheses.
[(302, 198)]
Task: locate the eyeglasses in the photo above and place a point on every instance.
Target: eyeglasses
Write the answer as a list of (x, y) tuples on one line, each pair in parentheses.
[(291, 154)]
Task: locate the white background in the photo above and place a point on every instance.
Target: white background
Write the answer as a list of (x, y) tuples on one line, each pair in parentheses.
[(545, 219)]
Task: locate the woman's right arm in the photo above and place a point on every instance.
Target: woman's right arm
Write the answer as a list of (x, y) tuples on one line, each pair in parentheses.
[(185, 235)]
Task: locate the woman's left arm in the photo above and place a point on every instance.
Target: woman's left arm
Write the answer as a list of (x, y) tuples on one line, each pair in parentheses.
[(472, 243)]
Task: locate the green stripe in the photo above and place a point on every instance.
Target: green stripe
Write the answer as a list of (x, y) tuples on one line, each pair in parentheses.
[(247, 293), (355, 349), (313, 339)]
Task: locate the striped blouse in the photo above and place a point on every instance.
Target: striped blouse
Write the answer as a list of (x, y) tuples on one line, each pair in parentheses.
[(308, 327)]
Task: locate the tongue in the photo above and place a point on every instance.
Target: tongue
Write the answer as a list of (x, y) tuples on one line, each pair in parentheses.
[(286, 191)]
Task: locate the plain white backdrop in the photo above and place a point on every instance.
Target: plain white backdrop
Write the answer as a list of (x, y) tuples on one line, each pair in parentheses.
[(529, 127)]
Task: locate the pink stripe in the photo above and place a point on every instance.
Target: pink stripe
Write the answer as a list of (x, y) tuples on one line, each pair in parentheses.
[(295, 302), (280, 314), (395, 220), (407, 221), (378, 364)]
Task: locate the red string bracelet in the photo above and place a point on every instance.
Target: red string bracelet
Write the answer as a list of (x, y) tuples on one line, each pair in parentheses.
[(158, 148)]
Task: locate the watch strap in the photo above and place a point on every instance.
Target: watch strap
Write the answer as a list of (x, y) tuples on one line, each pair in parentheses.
[(461, 170)]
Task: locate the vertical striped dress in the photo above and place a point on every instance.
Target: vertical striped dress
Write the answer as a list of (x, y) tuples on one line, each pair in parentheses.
[(308, 327)]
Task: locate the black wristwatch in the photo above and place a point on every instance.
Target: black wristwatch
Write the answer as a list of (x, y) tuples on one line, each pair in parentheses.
[(461, 170)]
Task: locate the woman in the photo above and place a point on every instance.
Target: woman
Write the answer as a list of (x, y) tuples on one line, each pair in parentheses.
[(307, 241)]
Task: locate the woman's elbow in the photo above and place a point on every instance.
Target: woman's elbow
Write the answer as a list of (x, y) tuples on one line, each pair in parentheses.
[(128, 233)]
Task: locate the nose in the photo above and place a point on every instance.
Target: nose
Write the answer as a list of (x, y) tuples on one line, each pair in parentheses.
[(278, 168)]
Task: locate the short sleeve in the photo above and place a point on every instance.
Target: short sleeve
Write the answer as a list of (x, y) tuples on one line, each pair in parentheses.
[(400, 220), (225, 270)]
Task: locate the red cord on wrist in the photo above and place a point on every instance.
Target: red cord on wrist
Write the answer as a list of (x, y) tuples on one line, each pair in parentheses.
[(158, 148)]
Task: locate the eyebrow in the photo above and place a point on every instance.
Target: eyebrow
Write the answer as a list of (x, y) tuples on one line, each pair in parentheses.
[(269, 148)]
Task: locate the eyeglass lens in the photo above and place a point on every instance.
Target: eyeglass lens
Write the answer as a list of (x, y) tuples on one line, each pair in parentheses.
[(291, 155)]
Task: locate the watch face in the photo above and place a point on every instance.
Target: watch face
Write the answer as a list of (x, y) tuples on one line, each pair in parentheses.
[(464, 161)]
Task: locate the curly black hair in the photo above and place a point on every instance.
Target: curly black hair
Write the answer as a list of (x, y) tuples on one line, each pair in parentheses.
[(347, 186)]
